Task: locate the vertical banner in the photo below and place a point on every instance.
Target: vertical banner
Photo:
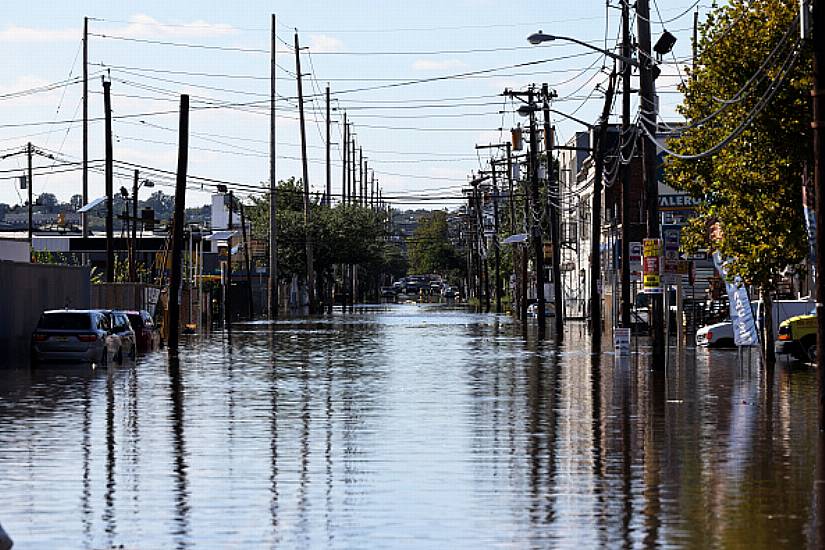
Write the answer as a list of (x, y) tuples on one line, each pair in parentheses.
[(741, 314), (652, 276), (809, 209)]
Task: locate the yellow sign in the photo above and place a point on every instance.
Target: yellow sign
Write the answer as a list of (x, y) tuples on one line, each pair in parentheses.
[(652, 247), (652, 280)]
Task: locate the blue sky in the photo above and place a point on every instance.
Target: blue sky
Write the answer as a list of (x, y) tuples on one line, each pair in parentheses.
[(418, 138)]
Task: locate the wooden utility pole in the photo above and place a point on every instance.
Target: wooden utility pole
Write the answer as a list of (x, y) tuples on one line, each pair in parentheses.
[(596, 224), (495, 239), (329, 158), (251, 308), (361, 176), (555, 205), (31, 193), (227, 288), (309, 248), (177, 226), (272, 284), (133, 246), (647, 100), (818, 125), (345, 173), (110, 251), (535, 226), (626, 149), (83, 220)]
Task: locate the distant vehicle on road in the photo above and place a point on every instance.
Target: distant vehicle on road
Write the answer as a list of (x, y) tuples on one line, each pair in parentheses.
[(147, 334), (75, 335), (389, 292)]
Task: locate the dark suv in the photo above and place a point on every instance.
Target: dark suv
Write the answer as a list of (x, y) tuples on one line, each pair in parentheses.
[(75, 335)]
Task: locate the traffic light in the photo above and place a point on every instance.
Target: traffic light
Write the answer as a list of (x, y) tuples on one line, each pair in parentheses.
[(147, 217)]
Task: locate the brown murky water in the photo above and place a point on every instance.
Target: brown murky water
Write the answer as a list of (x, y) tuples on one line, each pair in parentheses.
[(407, 427)]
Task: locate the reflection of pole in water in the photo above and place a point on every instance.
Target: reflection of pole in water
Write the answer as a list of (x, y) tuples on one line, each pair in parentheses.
[(596, 424), (303, 483), (273, 441), (181, 484), (328, 449), (109, 496), (85, 495), (654, 424)]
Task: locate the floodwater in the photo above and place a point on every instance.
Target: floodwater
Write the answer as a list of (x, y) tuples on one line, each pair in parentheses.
[(408, 426)]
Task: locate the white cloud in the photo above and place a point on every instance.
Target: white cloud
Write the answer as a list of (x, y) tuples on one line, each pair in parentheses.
[(322, 43), (437, 64), (139, 26), (13, 33), (145, 26)]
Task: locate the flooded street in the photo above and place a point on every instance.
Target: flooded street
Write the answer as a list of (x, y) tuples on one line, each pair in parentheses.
[(407, 426)]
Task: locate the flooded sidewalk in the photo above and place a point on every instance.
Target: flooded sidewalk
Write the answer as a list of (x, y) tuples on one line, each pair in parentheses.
[(408, 426)]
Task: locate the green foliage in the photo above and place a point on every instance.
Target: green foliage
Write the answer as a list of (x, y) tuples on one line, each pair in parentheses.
[(430, 249), (752, 186), (343, 234)]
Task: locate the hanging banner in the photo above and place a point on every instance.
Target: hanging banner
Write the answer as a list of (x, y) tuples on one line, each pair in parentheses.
[(809, 209), (652, 274), (741, 314)]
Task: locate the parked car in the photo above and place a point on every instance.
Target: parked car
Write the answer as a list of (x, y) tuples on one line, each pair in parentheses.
[(147, 334), (75, 335), (123, 328), (717, 335), (797, 337)]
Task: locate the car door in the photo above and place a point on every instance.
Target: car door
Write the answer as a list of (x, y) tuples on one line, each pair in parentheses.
[(104, 323)]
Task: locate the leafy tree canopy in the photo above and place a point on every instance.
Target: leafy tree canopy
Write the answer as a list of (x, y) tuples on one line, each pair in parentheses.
[(752, 186)]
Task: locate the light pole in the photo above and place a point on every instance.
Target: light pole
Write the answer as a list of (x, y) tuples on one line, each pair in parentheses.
[(539, 37)]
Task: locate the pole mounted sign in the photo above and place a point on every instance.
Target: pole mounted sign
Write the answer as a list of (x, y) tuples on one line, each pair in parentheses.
[(652, 266)]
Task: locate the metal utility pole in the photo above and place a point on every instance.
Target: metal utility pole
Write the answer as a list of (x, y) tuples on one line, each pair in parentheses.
[(535, 226), (626, 149), (133, 247), (84, 221), (110, 251), (31, 193), (555, 205), (647, 99), (329, 158), (596, 224), (177, 225), (272, 284), (353, 181), (309, 251), (818, 125)]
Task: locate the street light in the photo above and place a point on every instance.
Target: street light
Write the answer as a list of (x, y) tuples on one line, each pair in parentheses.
[(538, 37)]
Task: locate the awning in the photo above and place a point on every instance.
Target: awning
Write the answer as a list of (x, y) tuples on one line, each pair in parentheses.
[(221, 235), (517, 238), (91, 205)]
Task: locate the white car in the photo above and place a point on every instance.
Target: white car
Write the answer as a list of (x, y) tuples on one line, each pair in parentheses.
[(718, 335), (549, 310)]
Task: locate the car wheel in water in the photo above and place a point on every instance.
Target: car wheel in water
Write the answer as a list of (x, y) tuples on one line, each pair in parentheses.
[(810, 351)]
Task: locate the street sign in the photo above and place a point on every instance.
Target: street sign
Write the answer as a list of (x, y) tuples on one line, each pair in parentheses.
[(635, 261), (652, 279), (621, 341)]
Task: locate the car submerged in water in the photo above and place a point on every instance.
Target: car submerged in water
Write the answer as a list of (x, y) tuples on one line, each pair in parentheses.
[(67, 335)]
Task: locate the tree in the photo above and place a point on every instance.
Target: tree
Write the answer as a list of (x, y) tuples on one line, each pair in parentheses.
[(430, 250), (751, 187), (47, 201)]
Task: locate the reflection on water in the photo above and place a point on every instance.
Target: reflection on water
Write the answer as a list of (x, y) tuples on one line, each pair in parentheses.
[(409, 426)]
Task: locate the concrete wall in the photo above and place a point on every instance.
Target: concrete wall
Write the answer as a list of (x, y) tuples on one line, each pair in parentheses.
[(26, 290), (15, 250)]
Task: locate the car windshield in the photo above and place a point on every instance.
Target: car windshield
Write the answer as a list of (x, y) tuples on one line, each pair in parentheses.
[(65, 321)]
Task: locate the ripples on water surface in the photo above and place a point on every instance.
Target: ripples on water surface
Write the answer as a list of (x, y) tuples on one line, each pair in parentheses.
[(406, 426)]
